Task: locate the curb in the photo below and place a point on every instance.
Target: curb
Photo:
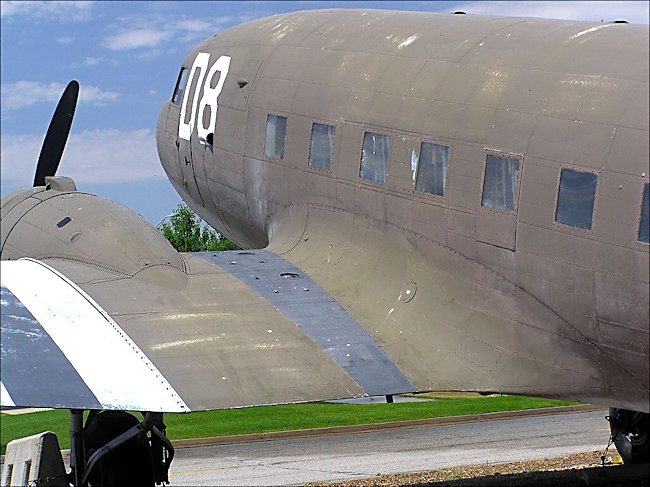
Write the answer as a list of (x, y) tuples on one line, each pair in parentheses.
[(366, 428)]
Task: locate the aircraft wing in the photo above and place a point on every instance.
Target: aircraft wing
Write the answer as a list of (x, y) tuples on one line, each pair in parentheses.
[(336, 306), (238, 328)]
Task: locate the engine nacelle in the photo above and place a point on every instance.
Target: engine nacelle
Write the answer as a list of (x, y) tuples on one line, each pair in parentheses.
[(58, 222)]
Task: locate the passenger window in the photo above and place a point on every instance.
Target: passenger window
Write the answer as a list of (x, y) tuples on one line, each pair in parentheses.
[(645, 216), (575, 201), (276, 129), (177, 97), (501, 183), (432, 169), (374, 157), (321, 146)]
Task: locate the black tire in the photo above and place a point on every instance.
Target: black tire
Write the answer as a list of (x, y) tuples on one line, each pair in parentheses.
[(631, 433), (129, 463)]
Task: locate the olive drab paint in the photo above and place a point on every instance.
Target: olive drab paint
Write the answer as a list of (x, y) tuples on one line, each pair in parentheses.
[(438, 216)]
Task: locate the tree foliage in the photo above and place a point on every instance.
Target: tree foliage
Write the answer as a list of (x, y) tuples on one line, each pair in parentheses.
[(186, 232)]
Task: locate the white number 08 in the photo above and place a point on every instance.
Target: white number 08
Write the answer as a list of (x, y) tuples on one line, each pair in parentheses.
[(209, 98)]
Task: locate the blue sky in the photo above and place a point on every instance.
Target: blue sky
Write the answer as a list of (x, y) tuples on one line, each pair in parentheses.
[(126, 56)]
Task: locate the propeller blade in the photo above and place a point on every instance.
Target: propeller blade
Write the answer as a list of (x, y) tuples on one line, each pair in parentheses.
[(57, 134)]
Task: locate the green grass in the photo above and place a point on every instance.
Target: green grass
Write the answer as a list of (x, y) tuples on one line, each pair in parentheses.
[(280, 418)]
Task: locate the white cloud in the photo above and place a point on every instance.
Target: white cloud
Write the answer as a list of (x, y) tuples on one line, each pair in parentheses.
[(27, 93), (154, 53), (64, 40), (49, 10), (96, 156), (632, 11), (136, 38), (130, 35), (88, 62), (195, 25)]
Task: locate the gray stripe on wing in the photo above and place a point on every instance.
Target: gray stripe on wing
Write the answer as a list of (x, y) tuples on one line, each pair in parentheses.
[(316, 313)]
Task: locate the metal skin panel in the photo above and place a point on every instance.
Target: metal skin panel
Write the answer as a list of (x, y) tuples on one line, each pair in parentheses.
[(541, 90), (99, 232), (466, 328), (454, 300), (217, 341), (319, 316), (497, 228), (21, 202)]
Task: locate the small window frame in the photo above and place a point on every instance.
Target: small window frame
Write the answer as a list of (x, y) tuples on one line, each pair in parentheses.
[(372, 131), (333, 143), (565, 226), (507, 155), (177, 94), (446, 171), (275, 156)]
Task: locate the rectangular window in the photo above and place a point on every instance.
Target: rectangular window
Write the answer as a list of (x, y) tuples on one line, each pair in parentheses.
[(432, 168), (177, 97), (374, 157), (575, 201), (501, 183), (276, 129), (644, 224), (321, 146)]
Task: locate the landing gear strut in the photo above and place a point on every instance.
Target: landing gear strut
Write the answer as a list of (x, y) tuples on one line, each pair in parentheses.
[(115, 449), (631, 434)]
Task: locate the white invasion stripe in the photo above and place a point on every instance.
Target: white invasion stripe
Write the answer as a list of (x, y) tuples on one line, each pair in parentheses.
[(5, 397), (113, 367)]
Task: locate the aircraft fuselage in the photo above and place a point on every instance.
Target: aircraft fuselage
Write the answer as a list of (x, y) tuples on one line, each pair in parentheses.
[(511, 154)]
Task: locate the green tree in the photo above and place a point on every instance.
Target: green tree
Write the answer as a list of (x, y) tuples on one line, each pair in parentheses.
[(188, 233)]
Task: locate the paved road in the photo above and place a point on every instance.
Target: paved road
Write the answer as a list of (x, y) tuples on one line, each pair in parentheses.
[(349, 456)]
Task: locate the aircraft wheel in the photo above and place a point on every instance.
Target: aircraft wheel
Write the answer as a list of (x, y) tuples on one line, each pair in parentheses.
[(129, 463), (631, 433)]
